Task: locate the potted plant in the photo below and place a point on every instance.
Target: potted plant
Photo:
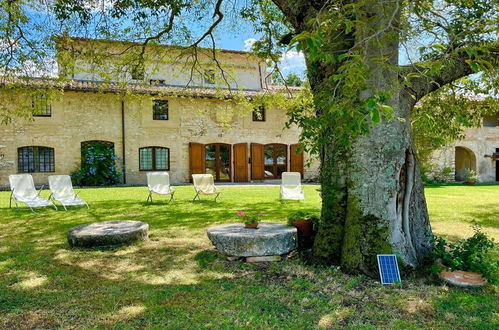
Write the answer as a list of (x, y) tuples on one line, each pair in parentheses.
[(303, 221), (470, 177), (250, 220), (468, 262)]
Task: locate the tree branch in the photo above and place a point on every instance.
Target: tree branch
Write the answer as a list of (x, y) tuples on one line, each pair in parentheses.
[(422, 78)]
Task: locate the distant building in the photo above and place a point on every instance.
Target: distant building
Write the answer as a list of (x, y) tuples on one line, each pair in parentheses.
[(478, 151), (151, 121)]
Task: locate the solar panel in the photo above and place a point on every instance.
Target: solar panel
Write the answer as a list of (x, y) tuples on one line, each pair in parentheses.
[(388, 268)]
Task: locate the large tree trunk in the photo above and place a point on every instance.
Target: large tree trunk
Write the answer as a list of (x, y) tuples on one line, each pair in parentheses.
[(372, 194)]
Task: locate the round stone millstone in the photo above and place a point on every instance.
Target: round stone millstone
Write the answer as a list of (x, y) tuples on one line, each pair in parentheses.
[(270, 239), (108, 233)]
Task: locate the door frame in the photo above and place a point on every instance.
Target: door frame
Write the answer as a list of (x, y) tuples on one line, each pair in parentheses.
[(274, 158), (217, 160)]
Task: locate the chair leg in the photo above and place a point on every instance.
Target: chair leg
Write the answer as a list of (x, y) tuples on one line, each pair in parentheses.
[(217, 196), (88, 207), (171, 198), (149, 198), (197, 195)]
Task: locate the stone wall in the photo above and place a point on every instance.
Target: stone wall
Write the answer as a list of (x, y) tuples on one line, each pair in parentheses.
[(480, 142), (84, 116)]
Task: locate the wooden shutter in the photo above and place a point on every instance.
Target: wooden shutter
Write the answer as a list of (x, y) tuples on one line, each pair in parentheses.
[(241, 162), (257, 167), (295, 160), (196, 159)]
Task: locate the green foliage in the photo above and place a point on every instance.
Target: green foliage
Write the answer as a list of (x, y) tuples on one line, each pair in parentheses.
[(292, 79), (250, 218), (473, 254), (301, 215), (432, 176), (470, 176), (98, 166)]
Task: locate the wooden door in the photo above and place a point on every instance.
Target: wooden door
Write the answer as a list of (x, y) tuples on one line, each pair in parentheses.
[(295, 160), (196, 159), (240, 162), (257, 161)]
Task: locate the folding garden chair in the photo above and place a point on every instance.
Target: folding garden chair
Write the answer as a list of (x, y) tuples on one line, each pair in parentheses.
[(62, 191), (23, 190)]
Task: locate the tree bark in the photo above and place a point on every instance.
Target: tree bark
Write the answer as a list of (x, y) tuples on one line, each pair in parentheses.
[(372, 195)]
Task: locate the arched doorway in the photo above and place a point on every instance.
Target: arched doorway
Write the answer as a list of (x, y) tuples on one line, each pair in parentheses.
[(465, 161)]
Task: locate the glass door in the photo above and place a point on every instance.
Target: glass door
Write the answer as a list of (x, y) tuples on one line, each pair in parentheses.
[(217, 161), (275, 160)]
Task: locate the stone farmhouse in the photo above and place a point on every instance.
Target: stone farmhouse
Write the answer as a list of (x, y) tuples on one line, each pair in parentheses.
[(478, 151), (154, 122), (147, 115)]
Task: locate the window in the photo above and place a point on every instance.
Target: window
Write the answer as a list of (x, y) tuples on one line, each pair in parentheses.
[(35, 159), (154, 159), (209, 77), (138, 72), (41, 106), (491, 121), (259, 113), (156, 82), (160, 110)]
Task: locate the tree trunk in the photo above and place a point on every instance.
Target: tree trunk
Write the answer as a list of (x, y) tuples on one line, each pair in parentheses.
[(372, 195)]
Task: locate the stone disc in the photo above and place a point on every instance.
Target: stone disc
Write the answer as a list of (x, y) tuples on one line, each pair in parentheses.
[(108, 233), (270, 239)]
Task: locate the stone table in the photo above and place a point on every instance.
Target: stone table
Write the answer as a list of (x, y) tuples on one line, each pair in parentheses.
[(267, 243), (108, 233)]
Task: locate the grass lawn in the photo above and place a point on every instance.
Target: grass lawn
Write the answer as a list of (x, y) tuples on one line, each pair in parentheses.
[(176, 280)]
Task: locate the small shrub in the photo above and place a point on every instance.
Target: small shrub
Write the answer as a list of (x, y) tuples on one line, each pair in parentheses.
[(301, 215), (249, 219), (473, 254), (470, 176)]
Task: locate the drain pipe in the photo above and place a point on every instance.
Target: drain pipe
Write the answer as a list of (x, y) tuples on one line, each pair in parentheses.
[(123, 140)]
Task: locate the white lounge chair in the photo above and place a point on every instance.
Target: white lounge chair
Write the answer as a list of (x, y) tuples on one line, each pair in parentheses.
[(159, 183), (62, 191), (291, 188), (23, 190), (204, 185)]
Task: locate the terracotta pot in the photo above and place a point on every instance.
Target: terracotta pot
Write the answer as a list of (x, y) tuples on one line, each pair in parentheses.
[(462, 278), (304, 227), (251, 225), (469, 182)]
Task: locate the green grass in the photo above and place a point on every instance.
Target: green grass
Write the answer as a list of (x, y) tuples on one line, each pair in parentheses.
[(176, 280)]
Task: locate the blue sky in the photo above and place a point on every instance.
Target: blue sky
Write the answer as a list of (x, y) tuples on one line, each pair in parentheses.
[(242, 39)]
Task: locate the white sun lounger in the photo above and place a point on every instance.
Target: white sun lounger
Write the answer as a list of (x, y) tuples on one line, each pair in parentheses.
[(159, 183), (204, 185), (23, 190), (291, 188), (62, 191)]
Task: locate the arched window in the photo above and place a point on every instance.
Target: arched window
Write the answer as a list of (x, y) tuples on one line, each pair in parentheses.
[(34, 159), (154, 159)]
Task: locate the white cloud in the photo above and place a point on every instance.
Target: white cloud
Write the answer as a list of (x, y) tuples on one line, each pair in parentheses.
[(248, 43), (292, 62)]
